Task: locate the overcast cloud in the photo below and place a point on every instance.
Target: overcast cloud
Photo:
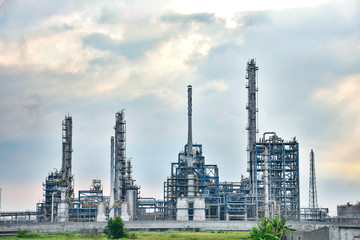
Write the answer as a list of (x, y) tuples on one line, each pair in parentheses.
[(91, 59)]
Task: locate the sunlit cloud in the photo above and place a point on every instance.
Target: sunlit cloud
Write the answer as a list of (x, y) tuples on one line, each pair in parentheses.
[(343, 102)]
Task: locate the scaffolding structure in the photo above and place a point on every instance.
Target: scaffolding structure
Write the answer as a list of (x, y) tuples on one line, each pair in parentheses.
[(150, 208), (277, 177), (234, 200), (85, 208), (204, 183)]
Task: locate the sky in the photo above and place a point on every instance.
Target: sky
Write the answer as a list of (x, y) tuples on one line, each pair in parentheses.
[(91, 59)]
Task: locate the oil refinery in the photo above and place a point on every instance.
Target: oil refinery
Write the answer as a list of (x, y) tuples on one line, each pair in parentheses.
[(192, 190)]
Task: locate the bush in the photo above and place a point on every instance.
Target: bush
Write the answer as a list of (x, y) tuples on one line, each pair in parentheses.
[(269, 229), (26, 234), (132, 235), (115, 228)]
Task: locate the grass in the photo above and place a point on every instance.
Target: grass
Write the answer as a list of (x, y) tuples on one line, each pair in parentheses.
[(212, 235)]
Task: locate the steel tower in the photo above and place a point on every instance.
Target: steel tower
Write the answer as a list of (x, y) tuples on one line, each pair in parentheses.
[(67, 157), (252, 112), (313, 202), (120, 156)]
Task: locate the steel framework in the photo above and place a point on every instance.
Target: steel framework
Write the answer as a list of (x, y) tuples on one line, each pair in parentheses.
[(277, 177), (206, 184)]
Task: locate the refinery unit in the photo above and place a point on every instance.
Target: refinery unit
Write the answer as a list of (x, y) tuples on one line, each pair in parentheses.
[(192, 191)]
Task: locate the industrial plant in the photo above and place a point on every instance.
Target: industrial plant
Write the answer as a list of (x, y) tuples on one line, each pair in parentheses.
[(192, 190)]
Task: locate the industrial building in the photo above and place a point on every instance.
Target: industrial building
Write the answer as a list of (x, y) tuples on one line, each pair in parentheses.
[(192, 192), (349, 211), (273, 164)]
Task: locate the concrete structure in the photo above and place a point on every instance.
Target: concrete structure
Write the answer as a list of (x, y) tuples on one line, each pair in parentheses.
[(349, 210), (173, 225), (326, 233)]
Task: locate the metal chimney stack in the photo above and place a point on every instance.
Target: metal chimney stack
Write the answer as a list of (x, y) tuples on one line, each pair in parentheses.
[(189, 143), (313, 202)]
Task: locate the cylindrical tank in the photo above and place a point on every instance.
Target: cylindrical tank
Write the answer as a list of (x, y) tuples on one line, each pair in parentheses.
[(131, 199), (101, 212), (63, 215)]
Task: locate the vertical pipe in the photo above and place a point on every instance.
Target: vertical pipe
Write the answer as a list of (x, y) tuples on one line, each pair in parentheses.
[(189, 143), (52, 206), (112, 179), (252, 111), (189, 151), (266, 183)]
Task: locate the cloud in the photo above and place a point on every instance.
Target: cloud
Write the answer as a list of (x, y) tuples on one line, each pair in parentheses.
[(186, 18), (130, 49), (342, 101), (342, 97), (92, 59), (167, 95)]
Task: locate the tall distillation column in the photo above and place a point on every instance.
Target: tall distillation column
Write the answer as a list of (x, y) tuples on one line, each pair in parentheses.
[(112, 179), (120, 156), (252, 112), (189, 147), (313, 202), (66, 185)]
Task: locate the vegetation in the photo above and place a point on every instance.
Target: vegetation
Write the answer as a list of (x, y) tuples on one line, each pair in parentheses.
[(115, 228), (269, 229), (26, 234), (213, 235)]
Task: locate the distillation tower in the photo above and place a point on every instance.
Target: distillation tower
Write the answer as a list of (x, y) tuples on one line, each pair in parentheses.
[(251, 85), (123, 192), (58, 186), (273, 164), (192, 190)]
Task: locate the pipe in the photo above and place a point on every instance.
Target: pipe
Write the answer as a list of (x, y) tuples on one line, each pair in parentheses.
[(189, 143), (268, 133), (52, 206), (112, 179), (266, 183)]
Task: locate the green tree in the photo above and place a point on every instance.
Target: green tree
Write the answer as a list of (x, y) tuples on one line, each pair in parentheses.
[(269, 229), (115, 228)]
